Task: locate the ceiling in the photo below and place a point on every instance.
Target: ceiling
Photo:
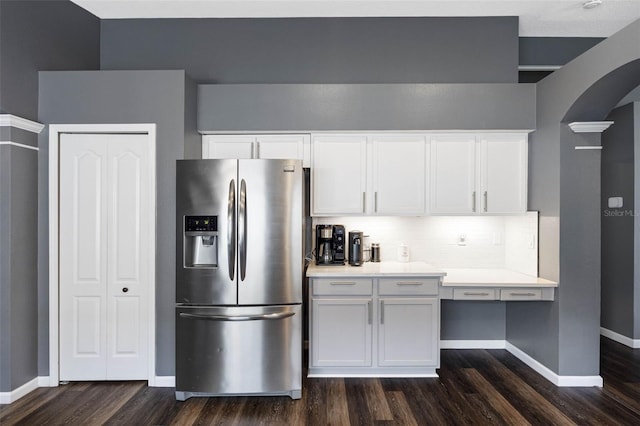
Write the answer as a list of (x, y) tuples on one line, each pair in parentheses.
[(538, 18)]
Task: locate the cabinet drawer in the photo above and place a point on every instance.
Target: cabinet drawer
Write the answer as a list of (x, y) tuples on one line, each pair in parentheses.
[(521, 294), (409, 286), (474, 294), (343, 286)]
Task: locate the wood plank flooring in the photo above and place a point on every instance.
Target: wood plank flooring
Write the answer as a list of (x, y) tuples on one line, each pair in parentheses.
[(476, 387)]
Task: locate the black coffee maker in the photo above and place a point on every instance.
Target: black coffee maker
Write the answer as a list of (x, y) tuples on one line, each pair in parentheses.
[(330, 245)]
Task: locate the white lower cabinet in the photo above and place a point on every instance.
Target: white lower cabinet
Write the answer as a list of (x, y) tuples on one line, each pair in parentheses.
[(407, 331), (374, 327), (342, 332)]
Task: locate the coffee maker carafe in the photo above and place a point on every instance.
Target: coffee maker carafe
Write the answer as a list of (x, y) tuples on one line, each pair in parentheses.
[(329, 245)]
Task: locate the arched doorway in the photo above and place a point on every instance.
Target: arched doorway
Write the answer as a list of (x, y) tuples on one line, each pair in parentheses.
[(564, 186)]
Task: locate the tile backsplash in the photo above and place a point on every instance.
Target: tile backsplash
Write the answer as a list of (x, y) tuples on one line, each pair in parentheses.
[(452, 241)]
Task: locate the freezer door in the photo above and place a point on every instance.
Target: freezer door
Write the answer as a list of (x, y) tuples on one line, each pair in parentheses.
[(270, 232), (207, 188), (238, 350)]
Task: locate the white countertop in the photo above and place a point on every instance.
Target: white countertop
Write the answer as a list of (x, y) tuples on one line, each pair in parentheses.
[(453, 277), (480, 277), (408, 269)]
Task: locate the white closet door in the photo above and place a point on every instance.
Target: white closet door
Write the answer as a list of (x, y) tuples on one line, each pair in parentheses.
[(104, 211)]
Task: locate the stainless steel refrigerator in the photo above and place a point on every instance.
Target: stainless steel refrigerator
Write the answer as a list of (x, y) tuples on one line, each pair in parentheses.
[(239, 277)]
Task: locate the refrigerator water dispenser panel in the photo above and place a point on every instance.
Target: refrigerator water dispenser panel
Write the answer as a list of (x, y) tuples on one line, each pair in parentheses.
[(200, 242)]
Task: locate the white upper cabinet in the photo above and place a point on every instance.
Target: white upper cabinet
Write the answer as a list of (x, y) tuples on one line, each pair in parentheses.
[(338, 175), (227, 146), (503, 173), (369, 175), (453, 174), (399, 175), (284, 146), (479, 173)]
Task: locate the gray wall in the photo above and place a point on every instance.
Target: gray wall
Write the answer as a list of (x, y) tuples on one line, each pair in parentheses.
[(123, 97), (318, 50), (618, 237), (277, 107), (38, 36), (18, 293), (468, 320), (636, 228), (553, 50), (564, 185), (34, 35)]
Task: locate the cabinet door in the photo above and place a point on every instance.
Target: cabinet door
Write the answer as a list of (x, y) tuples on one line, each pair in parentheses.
[(503, 161), (338, 175), (408, 332), (227, 146), (281, 147), (341, 332), (453, 174), (399, 168)]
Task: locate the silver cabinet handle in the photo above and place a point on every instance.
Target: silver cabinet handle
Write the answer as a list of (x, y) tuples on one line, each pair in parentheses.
[(257, 150), (273, 316), (473, 201), (342, 283), (470, 293), (242, 229), (364, 202), (409, 283), (231, 230), (369, 311), (521, 294), (485, 201), (382, 312), (375, 201)]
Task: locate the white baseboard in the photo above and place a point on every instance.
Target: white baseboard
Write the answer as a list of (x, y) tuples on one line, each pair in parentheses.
[(164, 382), (627, 341), (16, 394), (560, 381), (45, 381), (472, 344)]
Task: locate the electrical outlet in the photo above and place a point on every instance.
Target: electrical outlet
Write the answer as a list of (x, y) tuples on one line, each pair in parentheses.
[(532, 241), (462, 239)]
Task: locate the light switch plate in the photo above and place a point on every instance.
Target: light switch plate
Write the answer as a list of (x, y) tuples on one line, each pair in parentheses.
[(615, 202)]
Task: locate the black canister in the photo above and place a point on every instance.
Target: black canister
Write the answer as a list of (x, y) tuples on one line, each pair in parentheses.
[(355, 248), (375, 252)]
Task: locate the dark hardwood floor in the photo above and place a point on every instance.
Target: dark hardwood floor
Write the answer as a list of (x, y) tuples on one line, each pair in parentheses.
[(476, 387)]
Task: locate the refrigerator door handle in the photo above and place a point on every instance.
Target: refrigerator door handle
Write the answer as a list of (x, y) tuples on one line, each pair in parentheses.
[(271, 316), (231, 229), (242, 229)]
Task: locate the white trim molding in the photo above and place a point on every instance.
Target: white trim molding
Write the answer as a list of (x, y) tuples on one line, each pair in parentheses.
[(19, 145), (589, 126), (539, 67), (8, 120), (617, 337), (163, 382), (560, 381), (472, 344), (588, 147), (16, 394)]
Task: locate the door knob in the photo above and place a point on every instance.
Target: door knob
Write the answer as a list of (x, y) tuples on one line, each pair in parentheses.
[(125, 289)]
